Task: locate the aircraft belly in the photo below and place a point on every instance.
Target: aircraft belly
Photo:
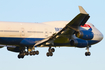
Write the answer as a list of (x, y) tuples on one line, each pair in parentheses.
[(29, 41), (10, 41)]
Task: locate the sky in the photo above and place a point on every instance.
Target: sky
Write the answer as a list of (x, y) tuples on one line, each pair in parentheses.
[(64, 58)]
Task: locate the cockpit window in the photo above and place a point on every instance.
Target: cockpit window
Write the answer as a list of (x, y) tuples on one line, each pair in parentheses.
[(93, 25)]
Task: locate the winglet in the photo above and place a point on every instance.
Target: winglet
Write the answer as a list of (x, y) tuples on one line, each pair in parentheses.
[(82, 10)]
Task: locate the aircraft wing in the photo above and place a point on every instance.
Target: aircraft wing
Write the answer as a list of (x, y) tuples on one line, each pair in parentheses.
[(68, 30)]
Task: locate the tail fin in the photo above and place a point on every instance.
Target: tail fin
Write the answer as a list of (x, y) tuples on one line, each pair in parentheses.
[(82, 10)]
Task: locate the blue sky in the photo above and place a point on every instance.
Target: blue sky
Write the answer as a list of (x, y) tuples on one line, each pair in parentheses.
[(56, 10)]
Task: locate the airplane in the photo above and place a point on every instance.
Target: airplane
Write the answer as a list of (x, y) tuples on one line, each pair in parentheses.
[(25, 37)]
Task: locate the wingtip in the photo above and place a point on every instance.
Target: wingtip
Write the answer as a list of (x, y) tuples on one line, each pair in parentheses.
[(82, 10)]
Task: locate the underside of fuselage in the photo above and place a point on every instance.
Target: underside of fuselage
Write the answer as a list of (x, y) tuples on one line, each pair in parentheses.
[(19, 41), (31, 41)]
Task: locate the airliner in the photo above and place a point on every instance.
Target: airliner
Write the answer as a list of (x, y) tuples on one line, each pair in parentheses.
[(25, 37)]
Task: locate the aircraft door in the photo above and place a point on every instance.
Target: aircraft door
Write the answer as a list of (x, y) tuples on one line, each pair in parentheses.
[(46, 33), (22, 32)]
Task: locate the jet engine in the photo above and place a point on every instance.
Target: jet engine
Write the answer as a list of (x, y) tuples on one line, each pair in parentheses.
[(16, 49), (79, 43), (86, 35)]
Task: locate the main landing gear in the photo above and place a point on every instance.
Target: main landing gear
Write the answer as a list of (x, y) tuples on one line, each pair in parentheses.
[(87, 53), (50, 52), (30, 51)]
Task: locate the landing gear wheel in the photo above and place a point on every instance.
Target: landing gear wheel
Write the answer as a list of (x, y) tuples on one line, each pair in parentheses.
[(87, 54), (23, 54), (36, 52), (26, 53), (20, 56), (53, 50), (31, 53), (49, 54)]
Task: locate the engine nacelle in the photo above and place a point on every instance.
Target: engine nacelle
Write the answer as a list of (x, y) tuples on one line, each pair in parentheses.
[(16, 49), (79, 43), (86, 35)]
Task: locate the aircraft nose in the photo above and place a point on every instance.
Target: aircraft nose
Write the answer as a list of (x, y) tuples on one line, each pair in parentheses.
[(101, 36)]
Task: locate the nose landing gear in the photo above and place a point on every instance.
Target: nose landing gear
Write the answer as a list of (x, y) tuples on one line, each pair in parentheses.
[(87, 53)]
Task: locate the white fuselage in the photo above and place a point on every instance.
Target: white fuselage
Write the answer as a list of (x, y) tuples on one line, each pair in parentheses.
[(37, 30)]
